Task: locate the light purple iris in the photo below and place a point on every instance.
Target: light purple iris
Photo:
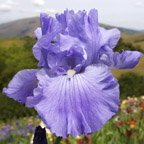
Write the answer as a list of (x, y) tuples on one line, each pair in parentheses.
[(74, 92)]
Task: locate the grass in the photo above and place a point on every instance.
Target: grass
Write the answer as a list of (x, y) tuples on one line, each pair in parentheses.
[(135, 39), (8, 42)]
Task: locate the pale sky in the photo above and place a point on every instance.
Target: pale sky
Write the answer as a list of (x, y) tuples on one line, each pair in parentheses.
[(125, 13)]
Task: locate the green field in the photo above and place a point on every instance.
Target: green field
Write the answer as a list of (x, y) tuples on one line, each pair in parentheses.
[(6, 43)]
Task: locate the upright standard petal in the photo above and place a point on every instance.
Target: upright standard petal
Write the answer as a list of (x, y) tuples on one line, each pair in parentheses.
[(125, 60), (78, 105), (66, 31), (22, 85), (109, 37), (85, 28), (48, 24)]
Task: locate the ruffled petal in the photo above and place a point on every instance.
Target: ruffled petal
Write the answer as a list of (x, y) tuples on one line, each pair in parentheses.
[(37, 52), (22, 85), (41, 55), (109, 37), (80, 105), (61, 62), (50, 27), (64, 19), (125, 60), (85, 27), (66, 31), (38, 33), (47, 23), (83, 30), (37, 96), (93, 29), (66, 42)]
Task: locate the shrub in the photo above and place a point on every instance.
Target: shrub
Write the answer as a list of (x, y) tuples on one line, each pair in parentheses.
[(13, 59), (127, 46), (10, 109), (131, 84)]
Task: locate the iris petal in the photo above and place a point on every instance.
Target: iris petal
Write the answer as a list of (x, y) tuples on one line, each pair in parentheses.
[(48, 24), (80, 105), (35, 98), (22, 85), (125, 60), (41, 55), (64, 19), (38, 33), (109, 37)]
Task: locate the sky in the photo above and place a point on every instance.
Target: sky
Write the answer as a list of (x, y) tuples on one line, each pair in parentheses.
[(124, 13)]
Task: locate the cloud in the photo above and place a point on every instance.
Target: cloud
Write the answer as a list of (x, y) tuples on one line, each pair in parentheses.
[(140, 4), (7, 6), (49, 11), (11, 3), (22, 10), (38, 2), (38, 11)]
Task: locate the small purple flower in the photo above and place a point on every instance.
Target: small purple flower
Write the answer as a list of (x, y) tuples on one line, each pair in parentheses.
[(5, 131), (17, 123), (74, 92), (24, 132), (30, 127)]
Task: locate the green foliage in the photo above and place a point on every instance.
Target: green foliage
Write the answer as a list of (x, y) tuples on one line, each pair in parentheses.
[(10, 109), (139, 40), (131, 84), (28, 42), (13, 59), (16, 140), (127, 46)]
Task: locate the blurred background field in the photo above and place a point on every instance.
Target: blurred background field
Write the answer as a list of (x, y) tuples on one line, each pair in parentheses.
[(17, 123)]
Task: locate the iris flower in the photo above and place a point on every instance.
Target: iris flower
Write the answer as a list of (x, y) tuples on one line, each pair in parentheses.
[(73, 91)]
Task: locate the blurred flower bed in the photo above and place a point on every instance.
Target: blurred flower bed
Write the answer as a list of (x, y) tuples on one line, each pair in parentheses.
[(18, 132), (127, 127)]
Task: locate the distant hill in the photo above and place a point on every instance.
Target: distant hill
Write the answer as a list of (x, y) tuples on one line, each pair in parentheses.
[(26, 27), (123, 30), (19, 28)]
